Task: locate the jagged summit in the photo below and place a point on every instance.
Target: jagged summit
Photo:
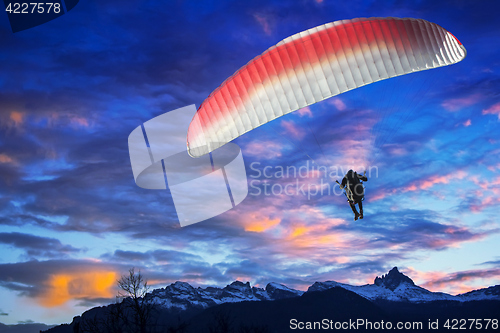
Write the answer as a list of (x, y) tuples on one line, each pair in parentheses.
[(393, 279)]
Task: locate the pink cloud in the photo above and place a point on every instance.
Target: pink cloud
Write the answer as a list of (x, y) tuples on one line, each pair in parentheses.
[(378, 196), (422, 185), (80, 121), (292, 129), (265, 149), (264, 22), (456, 104), (396, 149), (487, 196), (467, 123), (494, 168), (338, 103), (4, 158), (455, 283), (433, 180), (305, 112), (486, 202), (353, 152), (494, 109), (55, 119)]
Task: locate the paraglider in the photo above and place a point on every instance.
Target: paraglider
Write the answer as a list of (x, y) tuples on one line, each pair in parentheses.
[(314, 65), (354, 191)]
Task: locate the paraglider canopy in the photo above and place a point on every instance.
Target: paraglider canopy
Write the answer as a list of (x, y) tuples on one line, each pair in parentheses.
[(314, 65)]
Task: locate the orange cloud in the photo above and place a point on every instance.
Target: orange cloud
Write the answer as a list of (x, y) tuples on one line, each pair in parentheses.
[(17, 117), (317, 235), (64, 287), (298, 231), (262, 225), (5, 159)]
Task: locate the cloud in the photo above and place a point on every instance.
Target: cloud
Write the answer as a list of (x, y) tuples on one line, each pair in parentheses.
[(36, 246), (494, 109), (261, 224), (455, 282), (17, 118), (263, 20), (306, 111), (292, 129), (55, 282), (264, 149), (4, 158), (338, 103), (418, 231), (424, 183), (63, 287), (456, 104)]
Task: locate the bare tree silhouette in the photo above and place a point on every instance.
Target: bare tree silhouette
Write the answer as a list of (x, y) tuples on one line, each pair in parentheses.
[(133, 290)]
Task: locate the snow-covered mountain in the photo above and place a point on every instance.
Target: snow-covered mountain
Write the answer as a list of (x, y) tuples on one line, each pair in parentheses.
[(394, 286), (182, 295), (182, 306), (480, 294)]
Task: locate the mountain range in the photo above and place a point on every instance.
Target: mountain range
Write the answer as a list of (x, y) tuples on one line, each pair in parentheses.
[(181, 307), (394, 286)]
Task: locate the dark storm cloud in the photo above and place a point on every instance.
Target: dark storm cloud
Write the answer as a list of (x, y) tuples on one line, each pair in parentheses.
[(36, 246)]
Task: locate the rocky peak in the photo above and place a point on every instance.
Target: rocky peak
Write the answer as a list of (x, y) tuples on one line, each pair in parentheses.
[(179, 286), (240, 286), (280, 291), (393, 279)]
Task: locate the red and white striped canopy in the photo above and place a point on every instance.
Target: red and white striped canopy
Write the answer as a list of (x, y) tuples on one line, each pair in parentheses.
[(314, 65)]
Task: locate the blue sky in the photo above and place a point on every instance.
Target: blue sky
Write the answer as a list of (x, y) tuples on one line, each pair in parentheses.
[(72, 219)]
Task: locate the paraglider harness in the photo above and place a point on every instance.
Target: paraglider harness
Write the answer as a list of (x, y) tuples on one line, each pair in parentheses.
[(347, 189)]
